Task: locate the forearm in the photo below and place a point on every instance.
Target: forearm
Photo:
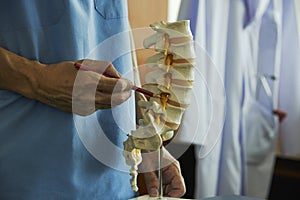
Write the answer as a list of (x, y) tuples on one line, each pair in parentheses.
[(18, 73), (53, 84)]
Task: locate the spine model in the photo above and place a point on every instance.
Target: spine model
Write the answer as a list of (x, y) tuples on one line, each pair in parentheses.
[(171, 82)]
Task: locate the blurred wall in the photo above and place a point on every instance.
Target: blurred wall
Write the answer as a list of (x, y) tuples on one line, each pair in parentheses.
[(144, 12), (141, 14)]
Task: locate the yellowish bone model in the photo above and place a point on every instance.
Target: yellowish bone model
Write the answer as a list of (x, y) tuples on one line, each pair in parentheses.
[(171, 84)]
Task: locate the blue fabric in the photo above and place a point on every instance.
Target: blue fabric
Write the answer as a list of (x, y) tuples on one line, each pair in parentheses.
[(41, 155), (192, 7)]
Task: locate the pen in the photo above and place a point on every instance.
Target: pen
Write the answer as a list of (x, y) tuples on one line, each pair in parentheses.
[(136, 88)]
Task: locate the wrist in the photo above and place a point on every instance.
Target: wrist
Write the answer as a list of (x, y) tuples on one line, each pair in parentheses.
[(31, 73), (18, 73)]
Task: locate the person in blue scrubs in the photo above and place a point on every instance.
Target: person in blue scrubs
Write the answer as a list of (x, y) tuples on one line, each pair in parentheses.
[(42, 153)]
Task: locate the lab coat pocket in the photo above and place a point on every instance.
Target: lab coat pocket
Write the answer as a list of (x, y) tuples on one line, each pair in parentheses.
[(259, 125), (111, 9)]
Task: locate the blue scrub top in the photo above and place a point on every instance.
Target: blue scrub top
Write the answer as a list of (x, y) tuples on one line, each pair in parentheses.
[(41, 155)]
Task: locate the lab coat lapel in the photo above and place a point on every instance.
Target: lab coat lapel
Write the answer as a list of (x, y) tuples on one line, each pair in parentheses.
[(254, 10)]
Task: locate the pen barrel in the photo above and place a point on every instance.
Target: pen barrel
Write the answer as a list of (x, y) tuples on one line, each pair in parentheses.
[(141, 90), (138, 89)]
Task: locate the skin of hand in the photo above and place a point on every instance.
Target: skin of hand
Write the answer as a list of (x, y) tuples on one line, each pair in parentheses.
[(62, 86), (82, 92), (173, 182)]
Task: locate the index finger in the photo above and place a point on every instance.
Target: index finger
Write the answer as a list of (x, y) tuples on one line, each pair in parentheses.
[(110, 85), (98, 66)]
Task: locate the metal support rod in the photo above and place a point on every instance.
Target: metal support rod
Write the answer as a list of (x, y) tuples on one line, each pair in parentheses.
[(160, 174)]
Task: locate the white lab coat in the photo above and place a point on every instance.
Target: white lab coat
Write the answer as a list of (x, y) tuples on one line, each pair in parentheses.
[(289, 91), (262, 70), (243, 41)]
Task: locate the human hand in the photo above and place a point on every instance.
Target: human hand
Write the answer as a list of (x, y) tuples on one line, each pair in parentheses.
[(173, 182), (82, 92)]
